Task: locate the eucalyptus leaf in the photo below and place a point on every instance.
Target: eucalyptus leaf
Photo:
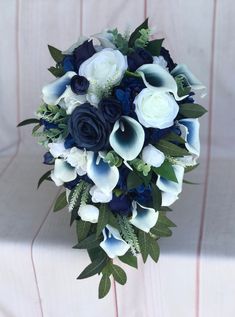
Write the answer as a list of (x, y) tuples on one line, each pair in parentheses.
[(104, 286), (61, 202), (136, 34)]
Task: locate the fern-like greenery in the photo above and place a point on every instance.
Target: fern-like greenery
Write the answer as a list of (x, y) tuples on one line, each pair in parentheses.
[(128, 234)]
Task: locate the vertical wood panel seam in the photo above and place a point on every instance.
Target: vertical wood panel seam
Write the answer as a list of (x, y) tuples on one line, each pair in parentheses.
[(208, 160)]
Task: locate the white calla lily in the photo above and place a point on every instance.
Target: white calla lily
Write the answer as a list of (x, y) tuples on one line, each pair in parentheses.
[(158, 78), (63, 172), (78, 159), (98, 196), (53, 92), (127, 138), (101, 173), (89, 213), (152, 156), (183, 70), (190, 133), (171, 190), (113, 244), (143, 218)]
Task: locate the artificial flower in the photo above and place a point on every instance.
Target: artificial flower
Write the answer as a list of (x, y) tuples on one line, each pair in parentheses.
[(89, 213), (152, 156), (63, 172), (139, 57), (98, 196), (190, 133), (79, 84)]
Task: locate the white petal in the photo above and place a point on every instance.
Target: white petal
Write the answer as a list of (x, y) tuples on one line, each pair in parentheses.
[(98, 196), (143, 218), (105, 39), (78, 159), (63, 171), (156, 77), (190, 132), (182, 69), (168, 199), (113, 244), (101, 173), (53, 92), (57, 149), (89, 213), (152, 156), (56, 180), (127, 138), (69, 100)]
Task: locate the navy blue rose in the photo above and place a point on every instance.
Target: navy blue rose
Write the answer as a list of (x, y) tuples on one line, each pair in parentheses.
[(138, 58), (111, 109), (48, 159), (79, 84), (126, 92), (83, 52), (68, 63), (69, 142), (121, 205), (165, 53), (88, 128)]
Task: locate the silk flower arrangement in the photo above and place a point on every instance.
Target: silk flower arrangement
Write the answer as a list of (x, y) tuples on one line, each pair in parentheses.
[(120, 128)]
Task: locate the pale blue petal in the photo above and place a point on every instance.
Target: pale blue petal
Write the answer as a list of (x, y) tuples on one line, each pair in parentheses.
[(63, 171), (53, 92), (113, 244), (101, 173), (182, 69), (156, 77), (127, 138), (190, 132), (143, 218), (89, 213)]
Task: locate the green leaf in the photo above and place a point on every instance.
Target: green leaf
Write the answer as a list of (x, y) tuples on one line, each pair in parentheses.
[(36, 127), (133, 180), (56, 54), (89, 243), (192, 110), (112, 220), (153, 249), (61, 202), (165, 208), (119, 274), (157, 197), (82, 229), (171, 149), (136, 34), (95, 253), (129, 259), (43, 178), (95, 267), (143, 242), (166, 171), (163, 219), (154, 47), (102, 220), (28, 121), (174, 138), (190, 168), (190, 183), (56, 71), (161, 230), (104, 286)]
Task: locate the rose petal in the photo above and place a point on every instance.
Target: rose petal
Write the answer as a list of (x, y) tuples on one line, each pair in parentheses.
[(98, 196), (152, 156), (89, 213)]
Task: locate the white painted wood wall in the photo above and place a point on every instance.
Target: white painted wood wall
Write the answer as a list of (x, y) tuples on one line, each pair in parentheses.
[(196, 273)]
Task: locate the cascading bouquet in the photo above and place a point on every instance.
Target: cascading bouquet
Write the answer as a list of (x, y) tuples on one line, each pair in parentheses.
[(120, 128)]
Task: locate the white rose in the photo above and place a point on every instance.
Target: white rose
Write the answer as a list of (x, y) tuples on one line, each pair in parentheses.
[(155, 109), (78, 159), (98, 196), (103, 70)]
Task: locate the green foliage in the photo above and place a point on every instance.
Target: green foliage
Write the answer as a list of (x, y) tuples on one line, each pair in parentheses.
[(166, 170), (93, 268), (192, 110), (164, 220), (56, 54), (190, 168), (157, 197), (118, 274), (75, 196), (82, 229), (161, 230), (44, 177), (133, 180), (169, 148), (154, 47), (113, 159), (61, 202), (182, 85), (104, 286), (28, 121), (136, 34), (103, 219), (140, 166), (128, 233), (174, 138), (90, 242), (143, 39), (190, 183), (148, 246), (119, 41), (57, 71), (129, 259)]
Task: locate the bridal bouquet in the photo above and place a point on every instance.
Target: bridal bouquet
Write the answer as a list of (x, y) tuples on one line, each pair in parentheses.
[(120, 128)]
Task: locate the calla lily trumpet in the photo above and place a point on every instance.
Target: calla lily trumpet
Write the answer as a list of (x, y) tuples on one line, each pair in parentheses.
[(127, 138), (156, 77), (143, 218), (101, 173), (192, 80), (63, 172), (190, 132), (113, 244), (89, 213), (171, 190), (53, 92)]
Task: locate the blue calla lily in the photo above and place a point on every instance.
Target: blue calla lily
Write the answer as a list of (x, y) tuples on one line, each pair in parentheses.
[(143, 218), (156, 77), (171, 190), (190, 132), (53, 92), (113, 244), (101, 173), (183, 70), (63, 172), (127, 138)]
